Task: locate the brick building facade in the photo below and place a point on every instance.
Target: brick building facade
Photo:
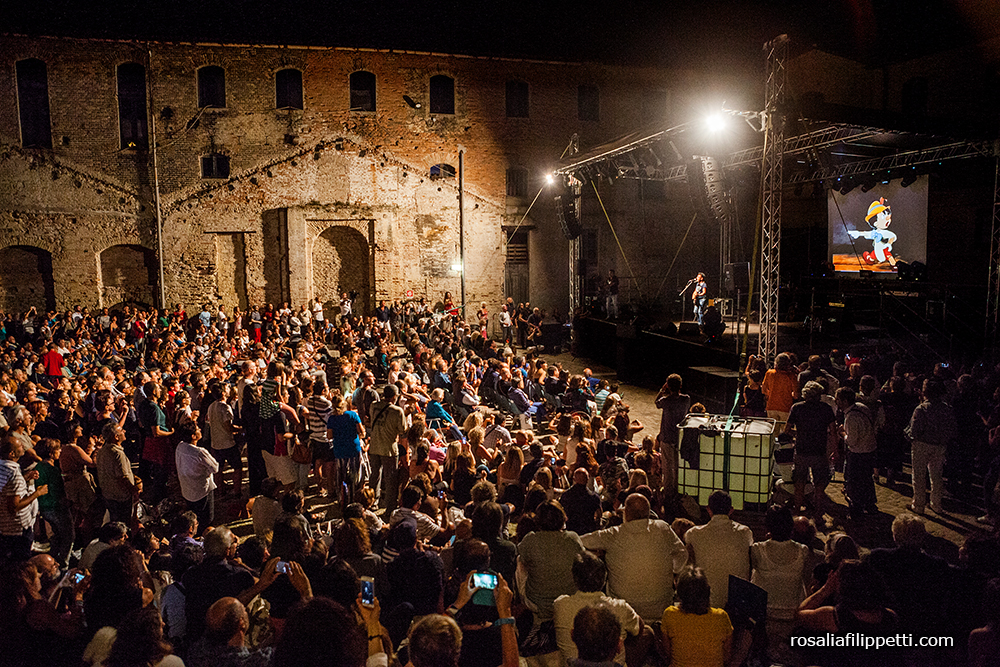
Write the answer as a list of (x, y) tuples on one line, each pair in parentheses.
[(285, 173)]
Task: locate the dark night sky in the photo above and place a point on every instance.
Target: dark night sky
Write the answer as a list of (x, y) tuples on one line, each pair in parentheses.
[(704, 33)]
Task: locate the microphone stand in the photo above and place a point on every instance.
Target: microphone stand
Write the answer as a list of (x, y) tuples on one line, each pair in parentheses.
[(684, 305)]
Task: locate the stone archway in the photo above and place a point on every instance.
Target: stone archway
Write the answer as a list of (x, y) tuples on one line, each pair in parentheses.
[(342, 262), (128, 274), (26, 279)]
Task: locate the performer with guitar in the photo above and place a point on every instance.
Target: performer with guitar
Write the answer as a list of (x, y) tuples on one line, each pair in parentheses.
[(699, 296)]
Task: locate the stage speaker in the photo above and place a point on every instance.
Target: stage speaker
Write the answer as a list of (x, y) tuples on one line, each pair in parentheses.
[(736, 278), (688, 329), (566, 213), (696, 188), (715, 189)]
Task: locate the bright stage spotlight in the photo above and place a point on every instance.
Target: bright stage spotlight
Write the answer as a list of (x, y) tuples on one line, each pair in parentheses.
[(716, 123), (550, 179)]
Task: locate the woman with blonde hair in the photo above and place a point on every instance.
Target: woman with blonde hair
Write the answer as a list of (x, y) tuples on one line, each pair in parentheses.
[(509, 471)]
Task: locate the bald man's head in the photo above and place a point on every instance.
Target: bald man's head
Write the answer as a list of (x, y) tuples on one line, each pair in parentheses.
[(581, 476), (226, 622), (636, 507)]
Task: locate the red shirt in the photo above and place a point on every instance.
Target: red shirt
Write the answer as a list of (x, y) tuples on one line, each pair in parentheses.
[(53, 362)]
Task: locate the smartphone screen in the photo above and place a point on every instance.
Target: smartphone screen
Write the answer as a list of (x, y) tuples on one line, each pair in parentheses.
[(282, 567), (76, 578), (367, 591), (484, 580)]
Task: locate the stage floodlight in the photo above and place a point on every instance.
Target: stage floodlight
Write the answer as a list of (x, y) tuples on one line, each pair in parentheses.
[(716, 123), (550, 179)]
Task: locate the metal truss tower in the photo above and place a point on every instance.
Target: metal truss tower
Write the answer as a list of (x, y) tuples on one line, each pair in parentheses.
[(771, 184), (993, 288)]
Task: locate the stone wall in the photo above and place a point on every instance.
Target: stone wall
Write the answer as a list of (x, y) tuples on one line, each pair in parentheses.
[(276, 229)]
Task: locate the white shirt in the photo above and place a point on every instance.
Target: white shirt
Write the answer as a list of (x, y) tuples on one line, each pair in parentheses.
[(779, 568), (566, 607), (642, 556), (195, 470), (220, 420), (721, 548)]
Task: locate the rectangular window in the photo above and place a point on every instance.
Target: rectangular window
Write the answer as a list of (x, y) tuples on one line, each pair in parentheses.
[(588, 103), (442, 94), (288, 89), (362, 91), (215, 166), (132, 106), (33, 103), (517, 99), (212, 87), (517, 182)]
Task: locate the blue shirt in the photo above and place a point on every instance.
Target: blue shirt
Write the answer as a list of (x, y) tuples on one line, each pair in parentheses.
[(344, 431)]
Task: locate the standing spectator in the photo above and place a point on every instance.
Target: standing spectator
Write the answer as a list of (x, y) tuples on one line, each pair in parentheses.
[(721, 547), (220, 419), (344, 430), (675, 406), (781, 387), (643, 555), (388, 432), (119, 487), (18, 505), (814, 424), (196, 469), (895, 409), (859, 435), (156, 445), (932, 427), (53, 362), (54, 506), (319, 407)]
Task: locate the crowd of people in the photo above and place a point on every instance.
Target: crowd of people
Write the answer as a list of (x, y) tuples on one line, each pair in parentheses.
[(407, 476)]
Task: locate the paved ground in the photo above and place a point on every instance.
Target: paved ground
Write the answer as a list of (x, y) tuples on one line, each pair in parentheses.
[(947, 531)]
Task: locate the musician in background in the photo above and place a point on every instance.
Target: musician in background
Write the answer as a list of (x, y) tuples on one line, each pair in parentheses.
[(699, 296), (611, 295)]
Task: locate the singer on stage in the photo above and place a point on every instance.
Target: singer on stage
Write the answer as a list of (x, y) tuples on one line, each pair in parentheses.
[(699, 297)]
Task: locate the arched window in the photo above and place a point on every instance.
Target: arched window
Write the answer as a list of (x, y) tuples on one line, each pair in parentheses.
[(362, 91), (588, 103), (288, 89), (442, 171), (442, 94), (33, 103), (517, 99), (132, 128), (212, 87)]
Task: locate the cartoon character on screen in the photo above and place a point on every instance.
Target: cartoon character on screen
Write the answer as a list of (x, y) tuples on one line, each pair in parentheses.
[(882, 239)]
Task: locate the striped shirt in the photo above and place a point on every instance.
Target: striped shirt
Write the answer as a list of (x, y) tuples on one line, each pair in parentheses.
[(12, 483), (319, 412)]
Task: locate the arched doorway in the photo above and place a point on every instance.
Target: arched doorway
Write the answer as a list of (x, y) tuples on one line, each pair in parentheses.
[(342, 263), (26, 279), (128, 273)]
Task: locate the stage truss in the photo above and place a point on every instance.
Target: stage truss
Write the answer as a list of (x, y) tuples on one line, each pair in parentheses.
[(651, 156)]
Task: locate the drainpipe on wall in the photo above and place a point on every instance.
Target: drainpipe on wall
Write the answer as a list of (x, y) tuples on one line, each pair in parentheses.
[(156, 179), (461, 220)]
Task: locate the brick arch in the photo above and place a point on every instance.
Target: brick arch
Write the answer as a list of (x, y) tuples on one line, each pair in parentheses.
[(26, 279), (342, 262), (128, 274)]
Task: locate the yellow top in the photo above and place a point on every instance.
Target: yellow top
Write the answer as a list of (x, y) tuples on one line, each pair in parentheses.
[(696, 640)]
